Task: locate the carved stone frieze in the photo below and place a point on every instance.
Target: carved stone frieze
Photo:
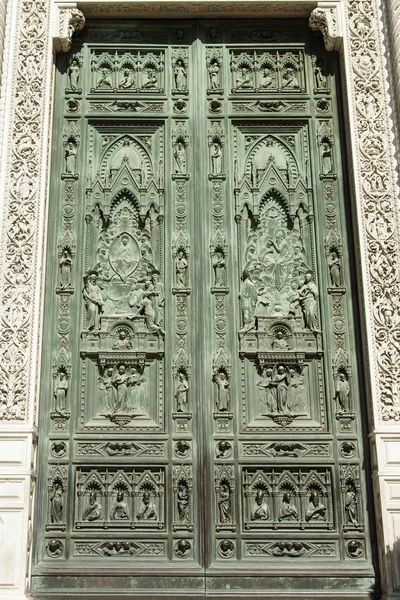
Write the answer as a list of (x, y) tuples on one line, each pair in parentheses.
[(291, 549), (120, 548)]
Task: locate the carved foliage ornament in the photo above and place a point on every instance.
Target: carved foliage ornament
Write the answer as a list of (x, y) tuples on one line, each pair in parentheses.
[(69, 21)]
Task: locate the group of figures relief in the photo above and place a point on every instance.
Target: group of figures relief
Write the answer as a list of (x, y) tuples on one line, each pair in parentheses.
[(267, 71), (277, 280), (122, 389), (282, 389), (119, 509)]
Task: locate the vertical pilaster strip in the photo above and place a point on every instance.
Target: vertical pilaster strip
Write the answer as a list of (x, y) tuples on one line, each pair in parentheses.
[(3, 16)]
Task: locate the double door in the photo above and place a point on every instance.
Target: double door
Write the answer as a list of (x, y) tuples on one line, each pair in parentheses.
[(201, 424)]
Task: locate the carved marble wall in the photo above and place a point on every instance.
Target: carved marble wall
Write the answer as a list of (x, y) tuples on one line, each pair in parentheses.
[(375, 194)]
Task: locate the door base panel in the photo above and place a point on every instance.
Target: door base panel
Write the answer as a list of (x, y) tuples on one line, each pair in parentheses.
[(210, 588)]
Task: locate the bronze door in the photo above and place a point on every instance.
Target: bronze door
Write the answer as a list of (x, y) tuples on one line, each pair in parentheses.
[(201, 425)]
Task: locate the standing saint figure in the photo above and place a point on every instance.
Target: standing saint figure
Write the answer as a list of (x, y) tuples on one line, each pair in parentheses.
[(159, 298), (65, 270), (73, 75), (181, 269), (326, 159), (121, 381), (181, 393), (281, 382), (222, 382), (56, 503), (248, 295), (182, 501), (334, 268), (180, 75), (60, 392), (308, 295), (261, 510), (268, 389), (351, 506), (70, 157), (343, 392), (213, 73), (219, 269), (94, 301), (216, 159), (320, 77), (147, 508), (224, 503), (180, 158)]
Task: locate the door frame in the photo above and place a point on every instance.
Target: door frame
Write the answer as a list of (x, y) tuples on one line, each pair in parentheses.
[(360, 25)]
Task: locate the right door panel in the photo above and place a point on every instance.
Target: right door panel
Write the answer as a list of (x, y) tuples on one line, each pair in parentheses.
[(287, 487)]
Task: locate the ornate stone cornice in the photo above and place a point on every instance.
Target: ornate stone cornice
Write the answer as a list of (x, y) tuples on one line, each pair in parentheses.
[(325, 18), (68, 20), (205, 8)]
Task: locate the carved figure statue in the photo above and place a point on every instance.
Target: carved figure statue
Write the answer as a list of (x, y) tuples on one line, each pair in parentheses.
[(94, 511), (70, 157), (319, 73), (147, 509), (56, 503), (280, 342), (222, 382), (104, 81), (276, 258), (219, 269), (121, 381), (65, 270), (351, 506), (180, 158), (120, 510), (308, 295), (74, 75), (293, 299), (261, 510), (289, 79), (266, 80), (159, 297), (94, 301), (150, 81), (334, 268), (60, 392), (122, 342), (213, 73), (181, 269), (128, 80), (269, 390), (287, 511), (244, 80), (182, 501), (343, 392), (146, 308), (326, 159), (125, 260), (180, 75), (109, 391), (216, 159), (224, 503), (315, 509), (281, 382), (181, 393), (248, 295)]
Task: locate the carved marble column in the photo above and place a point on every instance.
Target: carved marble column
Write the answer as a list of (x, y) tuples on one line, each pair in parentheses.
[(3, 15)]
